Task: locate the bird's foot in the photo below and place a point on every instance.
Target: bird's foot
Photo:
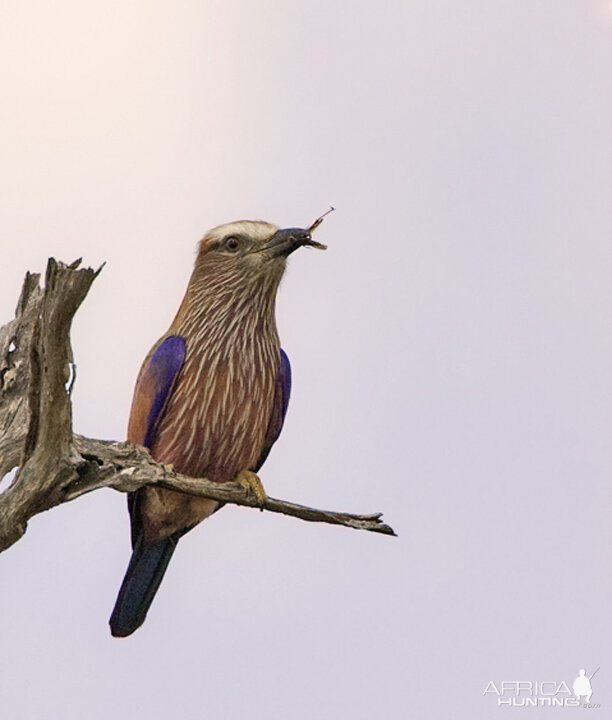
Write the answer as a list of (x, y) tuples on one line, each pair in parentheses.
[(168, 467), (252, 484)]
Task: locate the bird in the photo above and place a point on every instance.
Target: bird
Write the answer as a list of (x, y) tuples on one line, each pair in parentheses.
[(211, 396)]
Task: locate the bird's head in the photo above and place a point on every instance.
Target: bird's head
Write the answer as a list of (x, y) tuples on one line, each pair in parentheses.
[(249, 253)]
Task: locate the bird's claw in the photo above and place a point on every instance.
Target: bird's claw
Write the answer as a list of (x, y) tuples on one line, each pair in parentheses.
[(252, 484), (168, 467)]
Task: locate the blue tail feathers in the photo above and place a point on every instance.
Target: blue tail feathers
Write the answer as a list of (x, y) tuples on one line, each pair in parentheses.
[(144, 574)]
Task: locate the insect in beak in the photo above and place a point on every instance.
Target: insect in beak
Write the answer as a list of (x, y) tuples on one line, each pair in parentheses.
[(313, 227)]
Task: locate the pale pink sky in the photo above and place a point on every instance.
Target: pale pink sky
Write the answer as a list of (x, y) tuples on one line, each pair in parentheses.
[(452, 351)]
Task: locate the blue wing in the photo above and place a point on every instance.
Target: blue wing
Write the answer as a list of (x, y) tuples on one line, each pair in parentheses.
[(282, 392), (154, 388)]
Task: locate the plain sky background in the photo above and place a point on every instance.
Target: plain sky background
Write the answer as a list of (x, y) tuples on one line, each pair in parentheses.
[(452, 350)]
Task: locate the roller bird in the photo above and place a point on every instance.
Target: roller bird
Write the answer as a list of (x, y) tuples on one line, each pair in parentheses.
[(211, 396)]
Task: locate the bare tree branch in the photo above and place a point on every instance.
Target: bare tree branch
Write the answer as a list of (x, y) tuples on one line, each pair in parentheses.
[(54, 465)]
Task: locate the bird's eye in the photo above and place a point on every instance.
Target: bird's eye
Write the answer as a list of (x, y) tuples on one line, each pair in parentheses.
[(232, 243)]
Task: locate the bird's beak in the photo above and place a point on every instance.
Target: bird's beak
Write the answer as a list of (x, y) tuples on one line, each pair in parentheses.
[(284, 242)]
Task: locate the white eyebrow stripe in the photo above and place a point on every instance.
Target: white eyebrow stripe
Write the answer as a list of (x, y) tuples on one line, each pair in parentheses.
[(255, 229)]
